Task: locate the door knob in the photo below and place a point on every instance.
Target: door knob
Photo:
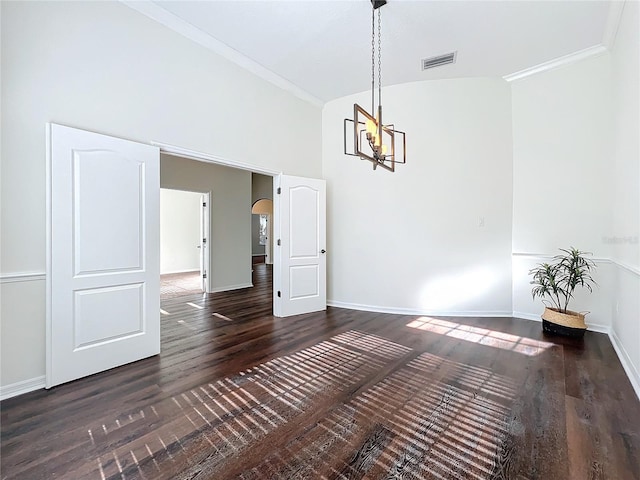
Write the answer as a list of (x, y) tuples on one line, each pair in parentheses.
[(323, 251)]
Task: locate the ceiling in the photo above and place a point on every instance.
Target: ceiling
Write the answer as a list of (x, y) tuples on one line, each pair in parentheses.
[(321, 49)]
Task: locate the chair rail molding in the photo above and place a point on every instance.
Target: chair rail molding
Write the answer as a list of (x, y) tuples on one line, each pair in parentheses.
[(22, 277)]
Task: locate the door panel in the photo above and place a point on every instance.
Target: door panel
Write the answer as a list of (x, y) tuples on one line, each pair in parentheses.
[(304, 281), (103, 268), (301, 277), (303, 225), (107, 314), (113, 226)]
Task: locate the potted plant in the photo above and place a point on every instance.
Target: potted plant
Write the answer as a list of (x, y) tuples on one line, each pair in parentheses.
[(555, 283)]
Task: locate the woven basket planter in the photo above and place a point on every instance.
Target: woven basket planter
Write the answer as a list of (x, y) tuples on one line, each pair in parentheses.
[(570, 324)]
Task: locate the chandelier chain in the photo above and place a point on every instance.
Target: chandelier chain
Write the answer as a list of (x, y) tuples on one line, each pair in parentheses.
[(372, 140), (379, 60), (373, 59)]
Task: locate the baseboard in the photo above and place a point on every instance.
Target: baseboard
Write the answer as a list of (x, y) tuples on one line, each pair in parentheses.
[(594, 327), (230, 287), (19, 388), (627, 364), (413, 311), (171, 272), (527, 316)]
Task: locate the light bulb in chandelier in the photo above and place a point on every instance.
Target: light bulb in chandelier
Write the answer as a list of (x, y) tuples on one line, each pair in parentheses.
[(372, 127)]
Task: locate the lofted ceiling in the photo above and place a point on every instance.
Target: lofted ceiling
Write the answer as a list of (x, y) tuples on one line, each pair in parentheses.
[(321, 49)]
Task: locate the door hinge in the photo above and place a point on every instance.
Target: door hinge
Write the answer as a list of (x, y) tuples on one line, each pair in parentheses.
[(279, 294), (279, 190), (278, 242), (204, 275)]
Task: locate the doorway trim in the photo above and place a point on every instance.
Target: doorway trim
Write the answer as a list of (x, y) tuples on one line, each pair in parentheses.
[(217, 160), (204, 234), (208, 158)]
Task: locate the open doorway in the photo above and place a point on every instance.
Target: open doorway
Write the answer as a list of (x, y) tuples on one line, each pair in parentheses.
[(229, 214), (261, 219), (299, 261), (184, 232)]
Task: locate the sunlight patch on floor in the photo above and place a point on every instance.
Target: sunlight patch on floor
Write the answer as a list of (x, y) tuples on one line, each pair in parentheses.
[(482, 336)]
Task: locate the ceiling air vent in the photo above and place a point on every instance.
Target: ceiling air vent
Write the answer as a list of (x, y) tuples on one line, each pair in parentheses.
[(438, 61)]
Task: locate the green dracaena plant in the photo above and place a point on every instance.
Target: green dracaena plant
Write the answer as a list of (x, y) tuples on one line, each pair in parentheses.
[(556, 281)]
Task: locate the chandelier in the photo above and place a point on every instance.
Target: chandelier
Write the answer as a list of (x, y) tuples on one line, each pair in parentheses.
[(381, 144)]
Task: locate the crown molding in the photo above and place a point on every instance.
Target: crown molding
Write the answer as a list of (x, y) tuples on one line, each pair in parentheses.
[(613, 22), (175, 23), (557, 63)]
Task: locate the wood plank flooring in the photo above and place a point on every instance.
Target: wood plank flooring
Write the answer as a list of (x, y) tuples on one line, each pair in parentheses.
[(341, 394), (179, 284)]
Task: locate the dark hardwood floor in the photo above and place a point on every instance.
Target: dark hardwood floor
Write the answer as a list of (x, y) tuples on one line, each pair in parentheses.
[(238, 393)]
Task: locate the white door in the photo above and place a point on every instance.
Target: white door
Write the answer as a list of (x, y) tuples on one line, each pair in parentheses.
[(300, 243), (268, 259), (204, 240), (103, 259)]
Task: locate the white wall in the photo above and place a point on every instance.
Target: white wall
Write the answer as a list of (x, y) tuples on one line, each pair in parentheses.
[(20, 310), (625, 153), (562, 126), (561, 148), (410, 240), (179, 231), (576, 143), (104, 67), (625, 231), (261, 187), (230, 216)]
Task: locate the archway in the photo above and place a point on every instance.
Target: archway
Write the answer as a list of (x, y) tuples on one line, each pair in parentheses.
[(264, 208)]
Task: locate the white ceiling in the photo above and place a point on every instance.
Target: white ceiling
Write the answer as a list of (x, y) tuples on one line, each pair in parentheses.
[(322, 48)]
